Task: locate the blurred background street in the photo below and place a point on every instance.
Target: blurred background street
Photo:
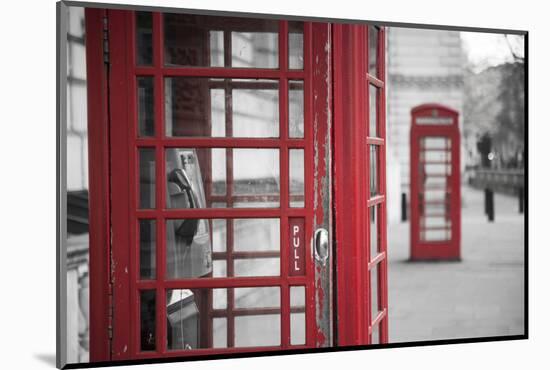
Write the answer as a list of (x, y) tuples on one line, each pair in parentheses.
[(482, 295)]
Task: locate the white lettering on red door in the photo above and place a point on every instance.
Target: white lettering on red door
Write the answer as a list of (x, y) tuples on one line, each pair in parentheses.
[(297, 255)]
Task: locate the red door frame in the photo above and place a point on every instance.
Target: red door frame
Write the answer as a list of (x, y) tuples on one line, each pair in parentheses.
[(435, 250), (351, 186), (122, 166), (344, 48)]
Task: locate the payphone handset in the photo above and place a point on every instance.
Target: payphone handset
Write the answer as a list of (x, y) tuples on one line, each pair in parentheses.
[(188, 248)]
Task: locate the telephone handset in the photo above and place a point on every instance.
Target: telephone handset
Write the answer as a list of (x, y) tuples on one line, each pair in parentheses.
[(188, 247), (188, 228)]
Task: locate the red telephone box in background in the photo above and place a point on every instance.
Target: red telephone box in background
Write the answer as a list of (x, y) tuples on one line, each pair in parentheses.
[(435, 183)]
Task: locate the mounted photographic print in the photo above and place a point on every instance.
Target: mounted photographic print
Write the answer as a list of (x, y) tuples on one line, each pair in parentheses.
[(249, 184)]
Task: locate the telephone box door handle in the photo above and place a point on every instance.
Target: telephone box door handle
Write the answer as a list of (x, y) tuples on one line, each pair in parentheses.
[(321, 246)]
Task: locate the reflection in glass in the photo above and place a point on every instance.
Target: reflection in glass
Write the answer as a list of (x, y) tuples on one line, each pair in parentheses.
[(296, 109), (147, 249), (144, 38), (374, 242), (212, 107), (146, 178), (373, 111), (146, 106), (373, 172), (204, 41), (255, 49), (148, 320), (296, 177), (373, 50), (295, 45), (297, 315)]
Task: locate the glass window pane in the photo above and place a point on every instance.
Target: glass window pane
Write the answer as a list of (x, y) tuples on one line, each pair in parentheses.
[(436, 234), (296, 109), (210, 107), (257, 267), (297, 296), (146, 106), (435, 142), (183, 318), (255, 109), (219, 235), (147, 249), (258, 330), (373, 170), (296, 177), (219, 332), (205, 41), (373, 111), (373, 50), (146, 178), (219, 299), (374, 292), (144, 38), (189, 253), (375, 339), (297, 315), (374, 242), (148, 320), (255, 177), (188, 249), (261, 297), (256, 234), (296, 45)]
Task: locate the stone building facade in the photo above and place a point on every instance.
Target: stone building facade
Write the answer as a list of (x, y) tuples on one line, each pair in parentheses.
[(423, 66)]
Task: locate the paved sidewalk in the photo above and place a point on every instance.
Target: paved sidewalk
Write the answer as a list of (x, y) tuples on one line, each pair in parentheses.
[(483, 295)]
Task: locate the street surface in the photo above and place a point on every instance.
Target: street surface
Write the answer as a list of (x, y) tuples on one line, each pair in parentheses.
[(480, 296)]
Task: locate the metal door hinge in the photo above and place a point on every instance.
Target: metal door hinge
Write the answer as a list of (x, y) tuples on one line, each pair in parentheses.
[(105, 39)]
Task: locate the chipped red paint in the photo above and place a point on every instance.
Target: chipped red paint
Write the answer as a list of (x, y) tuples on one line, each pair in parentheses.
[(322, 116)]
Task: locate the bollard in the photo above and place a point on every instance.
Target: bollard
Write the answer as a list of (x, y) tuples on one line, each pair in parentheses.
[(489, 205), (521, 199), (403, 207)]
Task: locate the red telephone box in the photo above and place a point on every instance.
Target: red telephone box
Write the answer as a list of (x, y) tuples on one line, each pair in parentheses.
[(435, 183), (212, 227)]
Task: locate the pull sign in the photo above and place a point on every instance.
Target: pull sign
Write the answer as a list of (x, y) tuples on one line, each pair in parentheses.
[(297, 247)]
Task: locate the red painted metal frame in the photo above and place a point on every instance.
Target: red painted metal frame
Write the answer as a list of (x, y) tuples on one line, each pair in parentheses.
[(124, 168), (350, 154), (444, 250), (351, 186), (99, 215), (380, 260)]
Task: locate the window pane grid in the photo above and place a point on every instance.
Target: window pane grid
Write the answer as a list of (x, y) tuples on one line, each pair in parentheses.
[(226, 319)]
